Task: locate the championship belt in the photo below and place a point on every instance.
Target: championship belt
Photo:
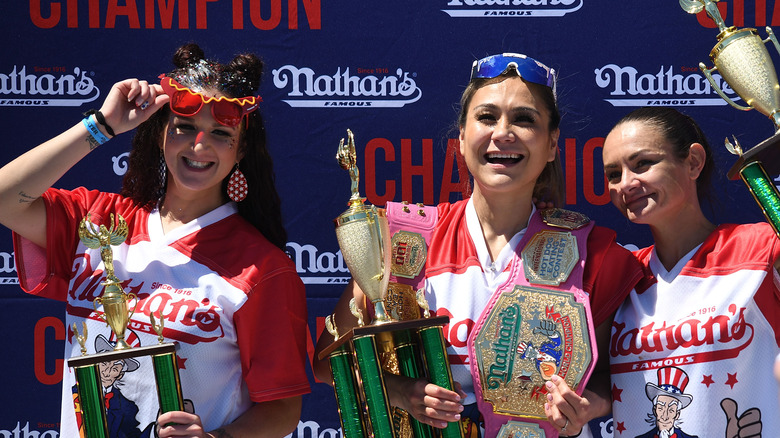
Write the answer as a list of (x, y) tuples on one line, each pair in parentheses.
[(536, 325)]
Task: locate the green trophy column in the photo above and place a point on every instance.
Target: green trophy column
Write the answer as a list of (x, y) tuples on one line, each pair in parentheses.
[(410, 366), (373, 386), (438, 369), (93, 410), (349, 404), (166, 373), (764, 191)]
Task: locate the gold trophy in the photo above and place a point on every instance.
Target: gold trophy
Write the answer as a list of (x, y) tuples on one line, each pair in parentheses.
[(359, 358), (741, 57), (364, 237), (116, 313)]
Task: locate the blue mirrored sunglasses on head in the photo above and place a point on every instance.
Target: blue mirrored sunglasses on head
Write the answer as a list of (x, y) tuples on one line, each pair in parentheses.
[(528, 68)]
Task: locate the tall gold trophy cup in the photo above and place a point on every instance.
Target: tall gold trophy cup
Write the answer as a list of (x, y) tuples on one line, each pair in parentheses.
[(359, 357), (116, 313), (741, 57)]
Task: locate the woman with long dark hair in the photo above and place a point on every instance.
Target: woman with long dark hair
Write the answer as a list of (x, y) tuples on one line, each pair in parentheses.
[(203, 251)]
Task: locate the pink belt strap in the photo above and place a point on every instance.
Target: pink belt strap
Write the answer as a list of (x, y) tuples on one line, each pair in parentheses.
[(573, 284)]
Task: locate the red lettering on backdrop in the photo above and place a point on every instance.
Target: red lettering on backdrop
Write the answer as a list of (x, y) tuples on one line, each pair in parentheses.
[(46, 15), (408, 170), (448, 186), (570, 158), (312, 9), (370, 165), (39, 350), (255, 15), (37, 18), (166, 13), (590, 173), (129, 10)]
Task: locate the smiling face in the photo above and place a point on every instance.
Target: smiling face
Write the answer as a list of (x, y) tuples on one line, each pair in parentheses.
[(505, 139), (647, 182), (200, 153)]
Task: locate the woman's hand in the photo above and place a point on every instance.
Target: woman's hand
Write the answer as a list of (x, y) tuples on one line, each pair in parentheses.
[(130, 103), (567, 411), (427, 403), (180, 424)]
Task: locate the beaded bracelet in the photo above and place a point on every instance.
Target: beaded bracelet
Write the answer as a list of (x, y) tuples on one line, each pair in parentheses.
[(93, 130)]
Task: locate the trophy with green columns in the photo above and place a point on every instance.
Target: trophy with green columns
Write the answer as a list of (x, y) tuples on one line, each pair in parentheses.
[(741, 58), (116, 313), (415, 345)]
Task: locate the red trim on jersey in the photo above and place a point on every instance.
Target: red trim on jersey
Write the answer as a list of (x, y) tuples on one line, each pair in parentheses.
[(731, 248), (609, 275)]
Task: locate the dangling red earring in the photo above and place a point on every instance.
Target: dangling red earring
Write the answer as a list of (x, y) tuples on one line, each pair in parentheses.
[(237, 187)]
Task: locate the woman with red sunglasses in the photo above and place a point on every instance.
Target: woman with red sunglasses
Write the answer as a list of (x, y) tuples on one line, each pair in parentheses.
[(481, 248), (204, 251)]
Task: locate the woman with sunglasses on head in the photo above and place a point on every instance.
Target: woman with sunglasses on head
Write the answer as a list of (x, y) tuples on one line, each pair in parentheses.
[(694, 347), (204, 251), (509, 131)]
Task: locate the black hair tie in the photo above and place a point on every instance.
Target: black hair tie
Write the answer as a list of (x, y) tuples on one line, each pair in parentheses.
[(102, 120)]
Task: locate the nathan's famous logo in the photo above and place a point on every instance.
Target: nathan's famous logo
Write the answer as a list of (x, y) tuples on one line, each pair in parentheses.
[(686, 87), (691, 340), (511, 8), (318, 267), (500, 371), (7, 268), (367, 87), (47, 86)]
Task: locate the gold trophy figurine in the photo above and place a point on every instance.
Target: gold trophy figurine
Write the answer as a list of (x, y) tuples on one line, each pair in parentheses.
[(364, 237), (114, 299)]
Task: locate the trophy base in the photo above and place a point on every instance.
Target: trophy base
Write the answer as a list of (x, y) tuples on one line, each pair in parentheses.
[(767, 152), (113, 356), (383, 328)]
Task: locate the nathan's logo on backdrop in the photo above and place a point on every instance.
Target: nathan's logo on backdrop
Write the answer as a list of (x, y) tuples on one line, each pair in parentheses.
[(30, 431), (318, 267), (47, 86), (685, 86), (511, 8), (361, 87), (8, 268)]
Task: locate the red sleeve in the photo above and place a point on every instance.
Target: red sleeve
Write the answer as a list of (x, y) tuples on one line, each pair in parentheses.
[(46, 271), (611, 272), (272, 334)]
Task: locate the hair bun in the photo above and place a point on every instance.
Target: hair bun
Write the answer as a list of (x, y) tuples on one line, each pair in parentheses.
[(249, 67), (187, 55)]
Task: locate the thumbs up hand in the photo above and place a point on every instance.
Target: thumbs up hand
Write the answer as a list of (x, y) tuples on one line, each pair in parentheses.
[(741, 426)]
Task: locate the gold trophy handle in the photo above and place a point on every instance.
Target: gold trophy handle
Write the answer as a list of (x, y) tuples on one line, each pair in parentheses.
[(708, 73), (131, 296), (99, 302)]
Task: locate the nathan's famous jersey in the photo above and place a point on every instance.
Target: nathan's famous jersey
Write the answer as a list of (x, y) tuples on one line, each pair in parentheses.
[(225, 294), (696, 349)]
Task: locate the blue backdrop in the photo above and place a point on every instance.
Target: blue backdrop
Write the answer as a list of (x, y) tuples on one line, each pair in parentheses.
[(392, 71)]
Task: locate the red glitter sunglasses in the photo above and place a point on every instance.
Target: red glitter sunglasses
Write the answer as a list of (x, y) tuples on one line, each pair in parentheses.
[(228, 111)]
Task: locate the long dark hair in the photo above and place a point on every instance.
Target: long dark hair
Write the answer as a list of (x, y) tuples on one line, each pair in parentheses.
[(145, 183)]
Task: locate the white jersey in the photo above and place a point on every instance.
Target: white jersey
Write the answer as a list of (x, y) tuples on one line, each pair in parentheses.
[(701, 339), (225, 308)]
